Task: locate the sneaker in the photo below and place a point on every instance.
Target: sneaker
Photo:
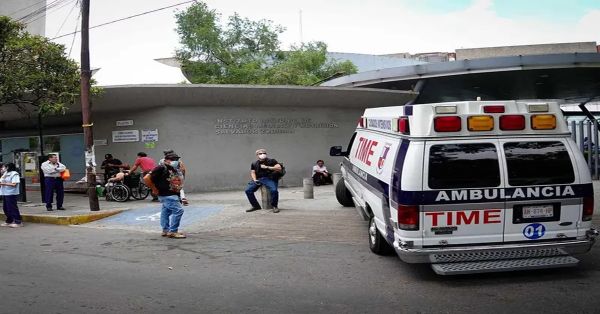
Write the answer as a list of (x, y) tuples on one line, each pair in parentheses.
[(49, 209), (61, 208), (252, 209), (13, 225), (164, 233), (6, 224), (275, 209), (176, 235)]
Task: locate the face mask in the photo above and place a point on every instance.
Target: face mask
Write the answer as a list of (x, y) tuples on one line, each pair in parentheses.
[(174, 163), (262, 156)]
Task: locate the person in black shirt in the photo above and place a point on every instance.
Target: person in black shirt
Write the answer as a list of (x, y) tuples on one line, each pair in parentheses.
[(111, 166), (261, 172), (169, 182)]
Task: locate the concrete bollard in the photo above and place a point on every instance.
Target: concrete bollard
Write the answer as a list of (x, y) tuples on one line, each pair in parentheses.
[(307, 186), (265, 194), (336, 177)]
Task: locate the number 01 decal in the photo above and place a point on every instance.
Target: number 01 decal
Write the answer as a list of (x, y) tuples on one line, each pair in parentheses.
[(534, 231)]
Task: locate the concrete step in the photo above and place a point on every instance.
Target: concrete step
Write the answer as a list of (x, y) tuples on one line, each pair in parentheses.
[(475, 267)]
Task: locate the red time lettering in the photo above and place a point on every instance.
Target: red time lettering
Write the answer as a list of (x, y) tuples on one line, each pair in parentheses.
[(365, 150), (490, 216)]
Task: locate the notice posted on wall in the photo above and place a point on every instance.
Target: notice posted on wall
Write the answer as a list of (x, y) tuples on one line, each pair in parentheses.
[(125, 136), (150, 135)]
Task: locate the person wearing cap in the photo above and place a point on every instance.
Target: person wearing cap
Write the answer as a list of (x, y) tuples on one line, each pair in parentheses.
[(261, 172), (169, 184)]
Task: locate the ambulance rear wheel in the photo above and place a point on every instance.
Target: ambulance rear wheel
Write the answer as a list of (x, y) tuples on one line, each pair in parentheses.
[(344, 197), (377, 243)]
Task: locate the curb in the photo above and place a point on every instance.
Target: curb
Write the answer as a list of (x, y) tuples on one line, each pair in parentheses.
[(67, 220)]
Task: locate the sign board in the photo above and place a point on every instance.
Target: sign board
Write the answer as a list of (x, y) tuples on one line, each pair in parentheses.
[(150, 135), (124, 122), (102, 142), (125, 136)]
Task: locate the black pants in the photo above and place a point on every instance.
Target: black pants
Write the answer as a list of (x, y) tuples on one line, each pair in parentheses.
[(320, 179)]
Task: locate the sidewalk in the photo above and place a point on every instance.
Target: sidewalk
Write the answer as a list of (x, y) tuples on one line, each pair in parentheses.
[(77, 205)]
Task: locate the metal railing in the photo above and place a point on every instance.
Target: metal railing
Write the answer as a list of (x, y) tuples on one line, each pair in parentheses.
[(585, 134)]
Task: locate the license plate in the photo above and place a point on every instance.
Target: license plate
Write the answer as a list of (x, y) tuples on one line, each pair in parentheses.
[(542, 211)]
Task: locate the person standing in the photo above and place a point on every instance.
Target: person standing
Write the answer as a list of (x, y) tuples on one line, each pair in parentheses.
[(180, 167), (9, 189), (169, 183), (146, 164), (53, 182), (320, 174), (262, 173)]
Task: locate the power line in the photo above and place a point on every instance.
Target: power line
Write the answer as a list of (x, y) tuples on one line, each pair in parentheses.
[(50, 10), (75, 33), (127, 18), (67, 17), (27, 7), (39, 12)]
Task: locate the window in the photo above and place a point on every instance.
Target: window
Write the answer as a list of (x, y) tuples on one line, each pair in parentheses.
[(538, 163), (454, 166)]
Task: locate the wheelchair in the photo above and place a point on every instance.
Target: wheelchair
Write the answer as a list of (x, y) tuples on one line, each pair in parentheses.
[(132, 186)]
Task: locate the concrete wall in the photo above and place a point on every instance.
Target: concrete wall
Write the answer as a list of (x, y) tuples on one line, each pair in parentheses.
[(217, 156), (16, 9), (489, 52)]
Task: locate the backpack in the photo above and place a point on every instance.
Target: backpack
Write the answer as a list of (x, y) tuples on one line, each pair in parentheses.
[(275, 175)]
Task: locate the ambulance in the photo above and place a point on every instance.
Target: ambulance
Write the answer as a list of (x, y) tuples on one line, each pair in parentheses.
[(471, 186)]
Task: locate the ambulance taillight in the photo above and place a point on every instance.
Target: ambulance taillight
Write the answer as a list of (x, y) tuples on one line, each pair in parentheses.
[(512, 122), (588, 208), (408, 217), (403, 126), (447, 124), (361, 122)]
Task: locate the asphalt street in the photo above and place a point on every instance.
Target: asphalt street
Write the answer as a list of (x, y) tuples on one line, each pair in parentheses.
[(293, 262)]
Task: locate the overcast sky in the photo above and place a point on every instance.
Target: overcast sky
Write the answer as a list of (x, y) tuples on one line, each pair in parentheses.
[(124, 50)]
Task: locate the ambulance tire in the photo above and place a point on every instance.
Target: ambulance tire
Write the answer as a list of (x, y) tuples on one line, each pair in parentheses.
[(344, 197), (377, 243)]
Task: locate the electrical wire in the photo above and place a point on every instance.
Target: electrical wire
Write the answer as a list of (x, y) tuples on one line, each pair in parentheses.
[(51, 10), (27, 7), (67, 17), (39, 12), (127, 18), (75, 33)]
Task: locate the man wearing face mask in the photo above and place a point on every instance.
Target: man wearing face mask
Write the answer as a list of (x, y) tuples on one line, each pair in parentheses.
[(179, 166), (169, 183), (261, 172)]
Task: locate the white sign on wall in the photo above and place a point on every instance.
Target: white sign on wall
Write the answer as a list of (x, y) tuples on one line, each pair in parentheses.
[(126, 136), (102, 142), (124, 122), (150, 135)]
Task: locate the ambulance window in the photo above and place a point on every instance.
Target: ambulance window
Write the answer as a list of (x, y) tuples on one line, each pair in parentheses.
[(538, 163), (350, 145), (463, 166)]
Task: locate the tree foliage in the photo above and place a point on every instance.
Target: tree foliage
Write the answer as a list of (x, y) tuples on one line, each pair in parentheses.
[(35, 74), (247, 52)]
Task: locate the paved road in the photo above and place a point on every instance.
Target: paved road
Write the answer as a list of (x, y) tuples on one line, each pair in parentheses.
[(261, 262)]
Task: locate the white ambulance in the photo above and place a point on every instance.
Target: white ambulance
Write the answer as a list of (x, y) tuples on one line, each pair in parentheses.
[(470, 187)]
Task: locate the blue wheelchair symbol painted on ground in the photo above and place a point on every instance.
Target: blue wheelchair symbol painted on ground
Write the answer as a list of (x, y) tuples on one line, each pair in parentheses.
[(534, 231), (150, 215)]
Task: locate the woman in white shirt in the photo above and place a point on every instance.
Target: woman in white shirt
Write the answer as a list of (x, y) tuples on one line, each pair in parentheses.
[(9, 189), (320, 174)]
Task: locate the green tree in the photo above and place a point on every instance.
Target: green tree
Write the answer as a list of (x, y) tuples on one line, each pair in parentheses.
[(35, 74), (247, 52)]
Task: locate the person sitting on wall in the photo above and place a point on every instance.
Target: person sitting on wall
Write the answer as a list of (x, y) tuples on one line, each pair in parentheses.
[(111, 166), (263, 172), (320, 174)]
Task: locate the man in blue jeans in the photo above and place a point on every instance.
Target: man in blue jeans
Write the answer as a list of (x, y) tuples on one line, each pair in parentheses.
[(262, 173), (169, 183)]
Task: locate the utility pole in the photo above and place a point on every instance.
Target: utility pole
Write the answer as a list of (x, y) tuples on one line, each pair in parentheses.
[(86, 111)]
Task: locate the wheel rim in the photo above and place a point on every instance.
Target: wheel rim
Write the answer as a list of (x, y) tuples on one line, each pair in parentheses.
[(372, 231)]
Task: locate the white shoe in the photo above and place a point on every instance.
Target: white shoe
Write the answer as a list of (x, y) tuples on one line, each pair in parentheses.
[(6, 224), (16, 225)]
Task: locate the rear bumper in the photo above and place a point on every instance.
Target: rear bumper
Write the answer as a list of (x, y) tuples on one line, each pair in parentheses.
[(495, 252)]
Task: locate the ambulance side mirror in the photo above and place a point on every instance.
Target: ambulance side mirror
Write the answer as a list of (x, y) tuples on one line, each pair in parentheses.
[(336, 151)]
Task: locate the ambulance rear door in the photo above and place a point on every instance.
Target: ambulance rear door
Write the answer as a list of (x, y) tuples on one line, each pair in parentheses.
[(461, 192), (543, 195)]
